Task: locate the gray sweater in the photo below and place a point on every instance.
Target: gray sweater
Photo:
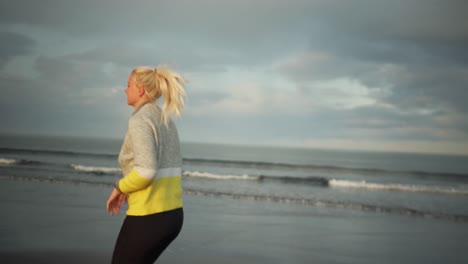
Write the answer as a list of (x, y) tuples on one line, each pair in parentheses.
[(151, 163)]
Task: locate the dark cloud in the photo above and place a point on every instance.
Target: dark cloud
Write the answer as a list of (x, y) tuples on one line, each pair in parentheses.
[(129, 57), (433, 87), (236, 32), (410, 54), (71, 77), (414, 49), (64, 97), (12, 45)]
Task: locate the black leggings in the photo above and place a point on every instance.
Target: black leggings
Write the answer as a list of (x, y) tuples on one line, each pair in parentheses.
[(143, 238)]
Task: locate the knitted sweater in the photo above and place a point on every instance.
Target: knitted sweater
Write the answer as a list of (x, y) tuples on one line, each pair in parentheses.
[(151, 163)]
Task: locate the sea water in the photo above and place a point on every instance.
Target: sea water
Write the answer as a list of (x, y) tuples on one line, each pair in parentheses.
[(418, 185)]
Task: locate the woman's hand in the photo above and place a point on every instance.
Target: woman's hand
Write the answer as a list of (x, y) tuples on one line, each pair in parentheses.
[(115, 201)]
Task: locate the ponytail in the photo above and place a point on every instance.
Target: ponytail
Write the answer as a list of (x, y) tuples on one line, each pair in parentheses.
[(161, 81)]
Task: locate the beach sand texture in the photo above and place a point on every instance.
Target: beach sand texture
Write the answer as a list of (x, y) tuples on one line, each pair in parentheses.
[(67, 223)]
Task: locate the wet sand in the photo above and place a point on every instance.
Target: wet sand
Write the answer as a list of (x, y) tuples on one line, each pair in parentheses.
[(66, 223)]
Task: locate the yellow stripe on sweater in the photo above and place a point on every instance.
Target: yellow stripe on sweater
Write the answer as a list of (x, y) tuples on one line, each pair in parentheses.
[(161, 195), (133, 181)]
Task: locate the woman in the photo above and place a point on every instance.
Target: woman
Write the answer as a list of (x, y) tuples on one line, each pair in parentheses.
[(152, 167)]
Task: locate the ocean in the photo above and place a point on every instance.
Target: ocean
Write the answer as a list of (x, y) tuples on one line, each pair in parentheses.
[(415, 185)]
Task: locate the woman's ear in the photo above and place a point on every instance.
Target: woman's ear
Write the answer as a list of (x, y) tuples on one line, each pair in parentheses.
[(141, 91)]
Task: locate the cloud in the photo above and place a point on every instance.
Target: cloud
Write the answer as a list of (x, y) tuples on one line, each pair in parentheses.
[(13, 45), (297, 71), (424, 146), (64, 96)]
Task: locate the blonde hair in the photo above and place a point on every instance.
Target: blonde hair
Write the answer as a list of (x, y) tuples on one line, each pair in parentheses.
[(161, 81)]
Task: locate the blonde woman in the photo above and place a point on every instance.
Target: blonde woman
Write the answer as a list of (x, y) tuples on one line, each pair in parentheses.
[(152, 167)]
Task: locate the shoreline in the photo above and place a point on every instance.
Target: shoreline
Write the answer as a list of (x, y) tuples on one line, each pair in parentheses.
[(358, 207)]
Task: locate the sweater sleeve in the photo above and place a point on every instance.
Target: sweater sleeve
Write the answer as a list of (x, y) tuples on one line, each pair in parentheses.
[(142, 138)]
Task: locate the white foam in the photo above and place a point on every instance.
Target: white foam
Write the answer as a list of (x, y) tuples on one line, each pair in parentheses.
[(394, 187), (6, 162), (218, 176), (79, 167)]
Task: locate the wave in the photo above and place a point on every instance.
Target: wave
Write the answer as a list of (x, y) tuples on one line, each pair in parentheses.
[(311, 180), (260, 178), (395, 187), (272, 198), (320, 168), (77, 167), (257, 164), (9, 162), (333, 183), (95, 170), (56, 180), (213, 176), (207, 175), (55, 152), (6, 162)]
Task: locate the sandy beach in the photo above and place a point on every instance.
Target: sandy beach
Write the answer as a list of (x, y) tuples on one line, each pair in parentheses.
[(67, 223)]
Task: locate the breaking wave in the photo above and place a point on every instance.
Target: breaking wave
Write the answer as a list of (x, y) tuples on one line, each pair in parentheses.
[(207, 175), (272, 198), (395, 187), (95, 170)]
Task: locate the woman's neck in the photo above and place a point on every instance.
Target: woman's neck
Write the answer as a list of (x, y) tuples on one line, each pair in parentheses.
[(140, 103)]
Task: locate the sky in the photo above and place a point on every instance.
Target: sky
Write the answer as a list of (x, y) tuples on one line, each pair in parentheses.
[(331, 74)]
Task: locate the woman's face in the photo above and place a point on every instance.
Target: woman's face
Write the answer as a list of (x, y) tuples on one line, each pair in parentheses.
[(132, 91)]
